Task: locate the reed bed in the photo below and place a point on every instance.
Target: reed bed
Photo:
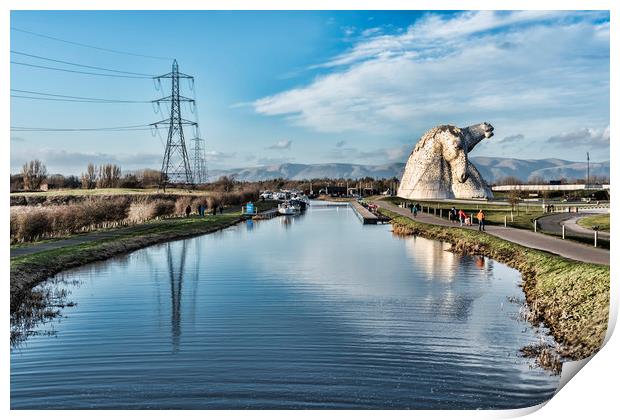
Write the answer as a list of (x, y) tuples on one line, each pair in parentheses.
[(52, 217)]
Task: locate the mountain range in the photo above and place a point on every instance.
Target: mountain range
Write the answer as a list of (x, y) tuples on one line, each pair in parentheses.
[(491, 168)]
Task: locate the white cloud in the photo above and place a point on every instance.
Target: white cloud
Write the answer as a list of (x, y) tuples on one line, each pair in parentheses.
[(273, 160), (215, 156), (281, 145), (593, 137), (512, 139), (76, 162), (520, 68)]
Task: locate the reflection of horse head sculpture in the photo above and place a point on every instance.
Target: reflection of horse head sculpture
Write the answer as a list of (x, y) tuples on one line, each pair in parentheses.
[(438, 166)]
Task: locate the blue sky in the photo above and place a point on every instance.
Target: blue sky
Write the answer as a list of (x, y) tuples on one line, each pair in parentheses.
[(317, 87)]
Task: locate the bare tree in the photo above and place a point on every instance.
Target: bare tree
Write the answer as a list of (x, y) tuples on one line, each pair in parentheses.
[(109, 176), (536, 180), (149, 177), (508, 180), (90, 177), (513, 199), (33, 173)]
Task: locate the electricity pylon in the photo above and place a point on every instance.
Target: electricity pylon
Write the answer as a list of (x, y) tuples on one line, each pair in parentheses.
[(175, 167), (199, 165)]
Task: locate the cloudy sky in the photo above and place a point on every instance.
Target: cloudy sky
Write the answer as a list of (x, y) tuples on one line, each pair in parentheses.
[(310, 87)]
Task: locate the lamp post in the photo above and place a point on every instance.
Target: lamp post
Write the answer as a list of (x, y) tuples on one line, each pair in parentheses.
[(588, 170)]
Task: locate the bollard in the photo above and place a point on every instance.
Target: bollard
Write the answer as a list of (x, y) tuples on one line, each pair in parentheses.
[(563, 232), (505, 221), (535, 225), (595, 238)]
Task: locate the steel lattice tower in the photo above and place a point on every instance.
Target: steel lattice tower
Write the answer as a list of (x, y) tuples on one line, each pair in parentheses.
[(199, 166), (175, 167)]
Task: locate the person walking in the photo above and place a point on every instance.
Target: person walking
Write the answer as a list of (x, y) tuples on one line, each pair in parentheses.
[(414, 210), (480, 216), (453, 214), (462, 216), (188, 210)]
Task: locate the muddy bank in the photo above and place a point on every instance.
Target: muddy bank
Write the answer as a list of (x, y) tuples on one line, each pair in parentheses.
[(571, 298)]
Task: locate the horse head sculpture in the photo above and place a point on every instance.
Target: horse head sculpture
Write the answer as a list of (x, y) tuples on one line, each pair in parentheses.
[(438, 166)]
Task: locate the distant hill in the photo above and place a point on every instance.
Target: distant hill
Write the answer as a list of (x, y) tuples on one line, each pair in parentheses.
[(297, 171), (495, 168), (491, 169)]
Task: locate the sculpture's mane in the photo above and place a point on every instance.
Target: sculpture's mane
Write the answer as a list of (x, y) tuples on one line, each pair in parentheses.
[(429, 136)]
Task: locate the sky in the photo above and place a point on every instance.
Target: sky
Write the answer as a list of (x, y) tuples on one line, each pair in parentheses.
[(311, 86)]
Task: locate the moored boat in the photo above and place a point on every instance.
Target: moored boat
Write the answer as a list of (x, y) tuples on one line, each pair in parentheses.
[(289, 208)]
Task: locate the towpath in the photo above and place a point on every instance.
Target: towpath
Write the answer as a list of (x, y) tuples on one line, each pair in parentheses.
[(76, 240), (530, 239)]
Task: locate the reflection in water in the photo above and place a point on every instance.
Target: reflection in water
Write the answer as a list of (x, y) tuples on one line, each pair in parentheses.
[(175, 273), (432, 257), (315, 312), (38, 308)]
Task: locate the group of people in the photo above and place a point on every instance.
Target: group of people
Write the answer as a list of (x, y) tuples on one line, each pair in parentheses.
[(464, 219), (455, 216), (201, 209)]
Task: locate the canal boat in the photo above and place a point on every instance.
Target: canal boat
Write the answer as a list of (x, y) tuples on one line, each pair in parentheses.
[(288, 208)]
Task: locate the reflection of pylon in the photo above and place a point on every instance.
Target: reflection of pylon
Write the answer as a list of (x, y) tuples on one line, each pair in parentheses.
[(199, 166), (175, 167), (176, 287)]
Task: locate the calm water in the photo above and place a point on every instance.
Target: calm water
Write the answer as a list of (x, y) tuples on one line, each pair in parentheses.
[(316, 311)]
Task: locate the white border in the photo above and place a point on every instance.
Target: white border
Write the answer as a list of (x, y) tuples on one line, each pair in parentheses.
[(592, 394)]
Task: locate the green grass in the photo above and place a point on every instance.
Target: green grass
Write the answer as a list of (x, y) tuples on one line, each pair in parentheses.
[(600, 220), (572, 298)]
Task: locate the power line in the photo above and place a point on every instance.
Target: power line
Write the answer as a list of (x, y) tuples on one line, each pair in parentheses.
[(69, 98), (77, 64), (90, 46), (76, 100), (120, 128), (80, 72)]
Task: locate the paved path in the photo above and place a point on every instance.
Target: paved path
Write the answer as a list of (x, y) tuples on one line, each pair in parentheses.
[(573, 225), (553, 224), (568, 249)]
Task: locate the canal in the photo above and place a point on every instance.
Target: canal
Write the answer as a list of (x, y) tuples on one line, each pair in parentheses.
[(313, 311)]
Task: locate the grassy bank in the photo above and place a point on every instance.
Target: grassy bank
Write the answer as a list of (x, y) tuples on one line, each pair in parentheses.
[(571, 298), (600, 220)]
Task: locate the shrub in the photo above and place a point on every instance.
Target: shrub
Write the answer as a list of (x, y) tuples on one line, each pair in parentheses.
[(161, 208), (30, 224), (181, 204)]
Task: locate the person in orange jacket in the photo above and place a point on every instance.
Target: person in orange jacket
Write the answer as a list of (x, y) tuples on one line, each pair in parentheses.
[(480, 216)]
